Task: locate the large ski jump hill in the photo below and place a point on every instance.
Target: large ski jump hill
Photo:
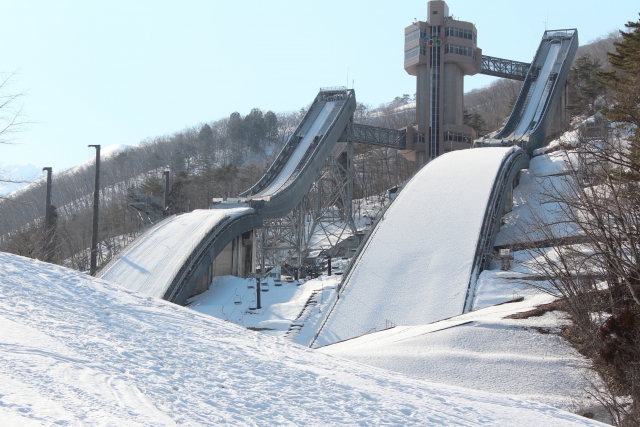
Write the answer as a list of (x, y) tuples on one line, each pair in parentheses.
[(430, 237)]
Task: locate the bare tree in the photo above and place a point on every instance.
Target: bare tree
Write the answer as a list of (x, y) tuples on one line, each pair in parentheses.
[(585, 242), (11, 120)]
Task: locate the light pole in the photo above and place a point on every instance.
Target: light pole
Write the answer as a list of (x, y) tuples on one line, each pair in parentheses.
[(258, 290), (96, 201), (47, 218), (166, 192)]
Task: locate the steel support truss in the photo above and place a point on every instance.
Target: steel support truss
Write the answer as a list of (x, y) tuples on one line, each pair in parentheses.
[(504, 68), (322, 219)]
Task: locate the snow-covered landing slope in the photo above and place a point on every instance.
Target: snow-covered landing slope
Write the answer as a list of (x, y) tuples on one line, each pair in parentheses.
[(150, 265), (485, 350), (80, 351), (418, 262)]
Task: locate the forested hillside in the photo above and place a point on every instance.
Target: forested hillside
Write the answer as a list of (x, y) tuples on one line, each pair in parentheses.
[(216, 159)]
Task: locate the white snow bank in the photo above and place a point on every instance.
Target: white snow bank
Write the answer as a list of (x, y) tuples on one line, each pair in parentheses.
[(230, 298), (151, 264), (535, 215), (80, 351), (418, 262), (485, 351)]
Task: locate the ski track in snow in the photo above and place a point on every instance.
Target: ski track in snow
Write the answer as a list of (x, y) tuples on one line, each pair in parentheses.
[(81, 351)]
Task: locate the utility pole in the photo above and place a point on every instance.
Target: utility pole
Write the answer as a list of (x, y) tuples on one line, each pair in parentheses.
[(166, 193), (47, 218), (96, 201)]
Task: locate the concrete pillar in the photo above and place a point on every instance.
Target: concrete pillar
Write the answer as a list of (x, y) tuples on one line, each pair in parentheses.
[(223, 264), (240, 260), (234, 257), (422, 101), (453, 93)]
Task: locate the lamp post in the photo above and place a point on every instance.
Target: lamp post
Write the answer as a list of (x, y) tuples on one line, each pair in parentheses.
[(47, 218), (96, 201), (258, 290), (166, 192)]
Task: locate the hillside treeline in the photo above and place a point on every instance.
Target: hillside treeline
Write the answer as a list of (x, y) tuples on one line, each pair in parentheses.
[(217, 159)]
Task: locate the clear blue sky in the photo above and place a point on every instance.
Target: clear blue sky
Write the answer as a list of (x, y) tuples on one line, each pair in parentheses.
[(118, 72)]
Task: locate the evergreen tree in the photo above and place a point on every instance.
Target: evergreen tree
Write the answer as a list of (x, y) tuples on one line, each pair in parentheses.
[(584, 85), (475, 121), (206, 142), (624, 80), (255, 128), (271, 122)]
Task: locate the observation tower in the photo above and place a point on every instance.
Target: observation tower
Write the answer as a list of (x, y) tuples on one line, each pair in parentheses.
[(439, 52)]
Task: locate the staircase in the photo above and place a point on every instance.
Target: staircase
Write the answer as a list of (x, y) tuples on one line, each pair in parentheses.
[(298, 323)]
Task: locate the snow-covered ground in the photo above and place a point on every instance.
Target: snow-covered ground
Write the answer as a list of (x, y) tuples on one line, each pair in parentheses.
[(485, 350), (150, 264), (231, 298), (416, 267), (81, 351), (532, 206)]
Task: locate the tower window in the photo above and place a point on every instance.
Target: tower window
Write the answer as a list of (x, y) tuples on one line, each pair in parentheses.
[(460, 50), (460, 33)]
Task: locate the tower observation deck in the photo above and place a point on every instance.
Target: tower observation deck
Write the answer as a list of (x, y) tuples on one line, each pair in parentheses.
[(439, 52), (442, 50)]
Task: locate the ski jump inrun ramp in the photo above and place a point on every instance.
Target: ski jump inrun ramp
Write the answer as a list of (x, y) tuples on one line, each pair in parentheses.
[(436, 235)]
